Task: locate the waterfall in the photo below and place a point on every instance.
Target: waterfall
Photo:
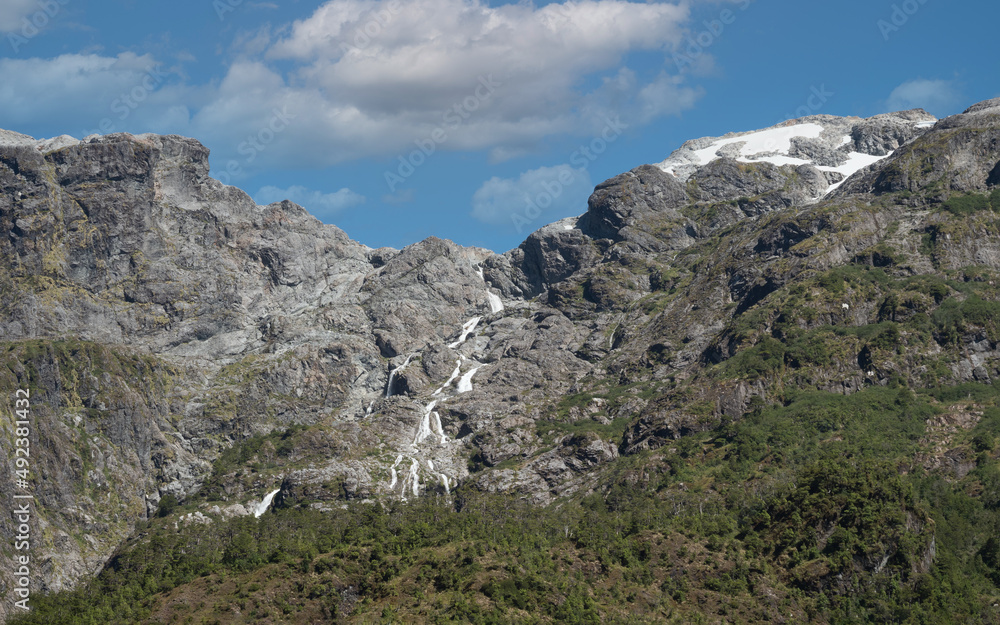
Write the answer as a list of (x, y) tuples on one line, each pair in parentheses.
[(265, 504), (412, 476), (496, 304), (424, 430), (467, 329), (465, 384), (395, 477), (454, 374), (392, 376), (440, 430)]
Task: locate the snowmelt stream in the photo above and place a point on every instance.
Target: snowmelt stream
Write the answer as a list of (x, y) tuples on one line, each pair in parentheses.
[(465, 384), (430, 420), (454, 374), (265, 504), (467, 329), (392, 375), (496, 304)]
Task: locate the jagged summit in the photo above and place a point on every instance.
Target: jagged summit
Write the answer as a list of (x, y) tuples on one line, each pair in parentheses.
[(985, 106), (837, 147), (13, 139)]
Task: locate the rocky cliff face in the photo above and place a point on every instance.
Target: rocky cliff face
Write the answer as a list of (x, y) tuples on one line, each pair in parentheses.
[(160, 318)]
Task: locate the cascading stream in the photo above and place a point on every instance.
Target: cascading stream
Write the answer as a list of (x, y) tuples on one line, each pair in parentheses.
[(467, 329), (265, 503), (430, 420), (392, 376), (465, 384)]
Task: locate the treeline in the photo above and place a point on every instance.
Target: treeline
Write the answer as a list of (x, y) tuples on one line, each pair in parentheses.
[(817, 503)]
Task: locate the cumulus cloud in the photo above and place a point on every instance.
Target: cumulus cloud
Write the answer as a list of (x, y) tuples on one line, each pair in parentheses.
[(13, 12), (316, 202), (388, 72), (404, 196), (536, 196), (371, 78), (938, 97), (108, 94)]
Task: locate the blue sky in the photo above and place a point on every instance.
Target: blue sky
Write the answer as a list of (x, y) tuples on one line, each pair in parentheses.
[(473, 121)]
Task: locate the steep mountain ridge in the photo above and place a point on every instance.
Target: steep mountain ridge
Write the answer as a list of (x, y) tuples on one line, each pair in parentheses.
[(164, 322), (836, 147)]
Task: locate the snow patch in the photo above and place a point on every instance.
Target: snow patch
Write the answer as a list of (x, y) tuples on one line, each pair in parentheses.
[(51, 145), (763, 143), (771, 145), (855, 163), (9, 138)]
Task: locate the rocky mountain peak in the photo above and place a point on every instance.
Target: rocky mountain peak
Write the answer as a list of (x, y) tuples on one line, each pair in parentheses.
[(836, 147), (986, 107)]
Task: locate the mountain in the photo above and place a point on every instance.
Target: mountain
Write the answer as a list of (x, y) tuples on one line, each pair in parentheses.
[(750, 383)]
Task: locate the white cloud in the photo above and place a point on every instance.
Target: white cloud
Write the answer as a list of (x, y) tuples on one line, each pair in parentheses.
[(635, 102), (116, 92), (538, 195), (404, 196), (13, 12), (938, 97), (370, 78), (381, 74), (316, 202)]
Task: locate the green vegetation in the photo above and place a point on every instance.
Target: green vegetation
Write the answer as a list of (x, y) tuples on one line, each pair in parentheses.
[(961, 205), (815, 501), (248, 452), (608, 399), (254, 455), (168, 504), (762, 359)]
